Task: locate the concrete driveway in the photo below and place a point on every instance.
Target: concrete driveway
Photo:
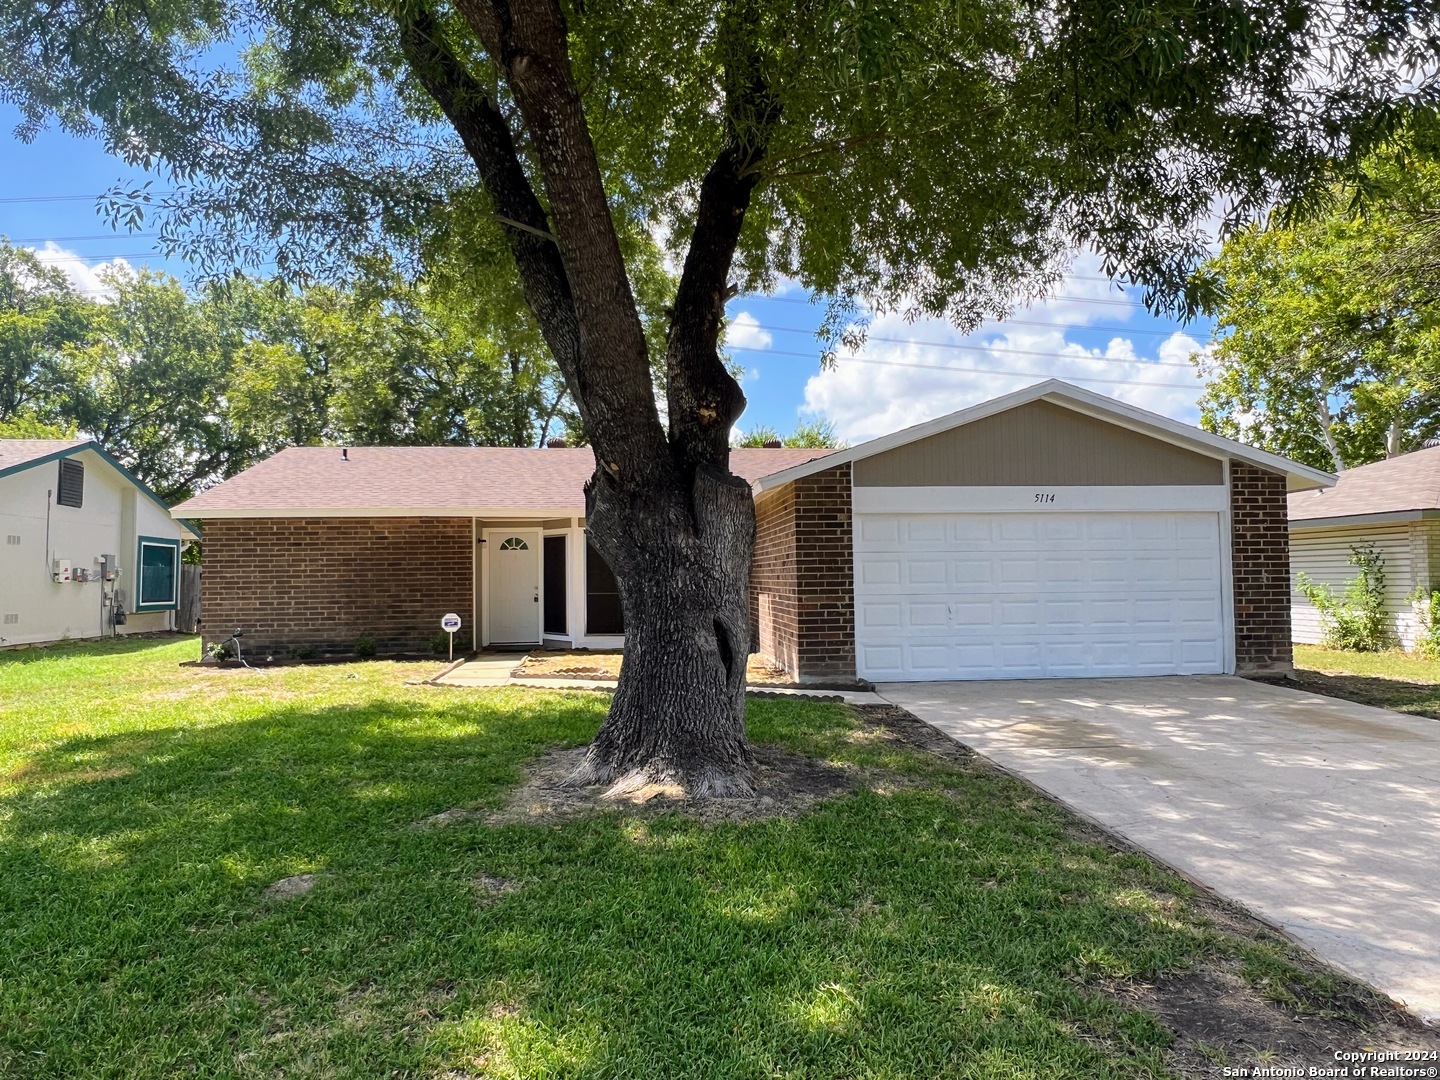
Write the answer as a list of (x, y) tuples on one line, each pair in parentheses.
[(1319, 815)]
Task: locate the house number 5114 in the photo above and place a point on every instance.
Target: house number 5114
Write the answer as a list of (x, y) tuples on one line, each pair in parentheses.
[(1044, 496)]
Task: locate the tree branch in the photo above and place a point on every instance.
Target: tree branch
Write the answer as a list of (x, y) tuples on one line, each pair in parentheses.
[(705, 400), (487, 138), (529, 43)]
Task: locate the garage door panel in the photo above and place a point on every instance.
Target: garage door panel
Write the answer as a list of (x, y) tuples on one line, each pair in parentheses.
[(877, 615), (880, 570), (1026, 595), (927, 571), (972, 571), (879, 530)]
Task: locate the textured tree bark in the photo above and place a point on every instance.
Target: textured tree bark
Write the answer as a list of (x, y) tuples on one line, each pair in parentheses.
[(678, 716), (663, 510)]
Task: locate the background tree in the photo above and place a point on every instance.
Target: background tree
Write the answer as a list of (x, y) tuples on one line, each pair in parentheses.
[(44, 321), (384, 362), (914, 154), (186, 387), (1326, 349), (811, 435)]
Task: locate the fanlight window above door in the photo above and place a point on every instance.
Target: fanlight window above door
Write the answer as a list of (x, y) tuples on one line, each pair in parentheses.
[(514, 543)]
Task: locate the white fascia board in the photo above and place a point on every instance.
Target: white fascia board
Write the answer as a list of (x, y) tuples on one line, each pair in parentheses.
[(1298, 477), (376, 511), (1012, 500), (1383, 517)]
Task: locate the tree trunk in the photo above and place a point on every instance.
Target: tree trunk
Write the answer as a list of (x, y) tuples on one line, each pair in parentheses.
[(677, 720), (676, 528)]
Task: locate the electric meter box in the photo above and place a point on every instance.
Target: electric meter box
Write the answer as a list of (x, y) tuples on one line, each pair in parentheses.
[(60, 570)]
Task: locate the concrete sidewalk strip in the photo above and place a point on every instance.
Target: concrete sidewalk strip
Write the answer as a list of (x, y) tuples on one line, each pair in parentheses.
[(1319, 815), (495, 669)]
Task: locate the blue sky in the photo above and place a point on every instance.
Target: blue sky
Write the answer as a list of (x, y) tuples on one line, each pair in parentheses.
[(1089, 332)]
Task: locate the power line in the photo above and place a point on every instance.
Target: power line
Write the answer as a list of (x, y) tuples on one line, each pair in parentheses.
[(10, 200), (975, 348), (998, 371), (70, 239), (1016, 322)]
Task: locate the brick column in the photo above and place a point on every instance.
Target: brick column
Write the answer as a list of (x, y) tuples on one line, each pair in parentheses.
[(802, 587), (1260, 560)]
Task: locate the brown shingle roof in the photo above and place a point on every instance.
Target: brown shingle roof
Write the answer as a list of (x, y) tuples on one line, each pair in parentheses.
[(464, 479), (1408, 482), (18, 451)]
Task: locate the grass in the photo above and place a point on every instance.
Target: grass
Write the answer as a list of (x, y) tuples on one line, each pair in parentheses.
[(958, 925), (1406, 682)]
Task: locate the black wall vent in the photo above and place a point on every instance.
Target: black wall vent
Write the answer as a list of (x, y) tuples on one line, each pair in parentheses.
[(71, 489)]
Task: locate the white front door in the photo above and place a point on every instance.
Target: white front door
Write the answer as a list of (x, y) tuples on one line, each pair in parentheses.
[(514, 587), (1021, 596)]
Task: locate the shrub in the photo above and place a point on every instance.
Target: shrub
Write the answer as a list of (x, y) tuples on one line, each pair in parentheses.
[(306, 652), (218, 651), (440, 642), (1426, 604), (1356, 619), (365, 646)]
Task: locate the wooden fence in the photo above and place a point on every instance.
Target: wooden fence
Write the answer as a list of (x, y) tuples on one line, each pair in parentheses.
[(187, 617)]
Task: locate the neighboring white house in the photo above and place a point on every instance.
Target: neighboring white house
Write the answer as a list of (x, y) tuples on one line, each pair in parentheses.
[(81, 540), (1393, 505)]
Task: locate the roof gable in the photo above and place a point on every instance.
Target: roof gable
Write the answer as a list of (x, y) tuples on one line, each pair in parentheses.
[(17, 455), (1298, 477), (1038, 442)]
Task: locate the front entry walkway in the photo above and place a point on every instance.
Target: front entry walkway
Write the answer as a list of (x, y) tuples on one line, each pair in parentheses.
[(1319, 815)]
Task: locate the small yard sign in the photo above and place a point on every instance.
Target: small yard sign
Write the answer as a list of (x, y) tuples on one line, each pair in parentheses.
[(450, 622)]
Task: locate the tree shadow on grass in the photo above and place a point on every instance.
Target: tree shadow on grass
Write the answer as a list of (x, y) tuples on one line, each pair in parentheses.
[(945, 929), (1421, 699), (107, 646)]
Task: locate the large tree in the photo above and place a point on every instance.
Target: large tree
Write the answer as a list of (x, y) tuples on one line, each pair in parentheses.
[(946, 158), (44, 323), (1327, 341)]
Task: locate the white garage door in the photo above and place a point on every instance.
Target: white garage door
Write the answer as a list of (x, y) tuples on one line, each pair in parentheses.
[(1011, 596)]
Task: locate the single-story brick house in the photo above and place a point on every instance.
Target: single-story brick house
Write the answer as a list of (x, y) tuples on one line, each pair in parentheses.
[(1393, 505), (1051, 532)]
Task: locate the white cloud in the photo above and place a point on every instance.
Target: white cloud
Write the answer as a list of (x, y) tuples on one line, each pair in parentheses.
[(912, 372), (85, 277), (745, 332)]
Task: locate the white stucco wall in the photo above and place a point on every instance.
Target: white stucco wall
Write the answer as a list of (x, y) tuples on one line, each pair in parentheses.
[(114, 514)]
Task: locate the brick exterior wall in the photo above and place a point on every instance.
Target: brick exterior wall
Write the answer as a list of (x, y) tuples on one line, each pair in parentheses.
[(774, 610), (1260, 558), (319, 584), (802, 594)]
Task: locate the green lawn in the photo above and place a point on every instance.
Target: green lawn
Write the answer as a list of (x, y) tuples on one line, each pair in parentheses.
[(949, 924), (1407, 682)]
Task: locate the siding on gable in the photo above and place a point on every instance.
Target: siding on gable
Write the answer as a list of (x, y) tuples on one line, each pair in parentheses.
[(1038, 443), (1324, 555)]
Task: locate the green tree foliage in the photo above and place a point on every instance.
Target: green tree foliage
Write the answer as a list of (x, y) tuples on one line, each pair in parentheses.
[(811, 435), (44, 321), (388, 363), (1327, 342), (186, 388)]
